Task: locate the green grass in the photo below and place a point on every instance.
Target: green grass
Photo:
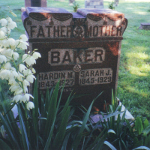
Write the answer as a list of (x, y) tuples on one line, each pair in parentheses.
[(134, 71)]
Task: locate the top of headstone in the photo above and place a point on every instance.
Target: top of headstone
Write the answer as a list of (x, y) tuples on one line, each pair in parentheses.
[(77, 15), (100, 13), (42, 22), (45, 10), (43, 13)]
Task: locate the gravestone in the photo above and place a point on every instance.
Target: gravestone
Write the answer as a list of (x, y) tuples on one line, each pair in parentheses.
[(145, 26), (81, 49), (35, 3), (71, 1), (116, 2), (94, 4)]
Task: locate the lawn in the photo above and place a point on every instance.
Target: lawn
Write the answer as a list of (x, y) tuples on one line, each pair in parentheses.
[(134, 71)]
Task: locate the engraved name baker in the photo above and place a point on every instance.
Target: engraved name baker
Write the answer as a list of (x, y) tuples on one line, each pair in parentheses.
[(76, 56)]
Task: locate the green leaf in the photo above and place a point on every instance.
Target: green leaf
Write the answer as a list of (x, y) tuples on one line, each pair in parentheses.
[(52, 115), (65, 142), (43, 116), (138, 125), (118, 127), (79, 136), (52, 111), (47, 99), (114, 102), (146, 131), (147, 141), (65, 107), (35, 113), (62, 130), (146, 123), (4, 146), (11, 121), (13, 140), (99, 141), (23, 130), (9, 124), (136, 142), (125, 147), (42, 110)]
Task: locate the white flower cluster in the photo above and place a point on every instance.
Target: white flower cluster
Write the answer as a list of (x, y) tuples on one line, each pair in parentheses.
[(20, 76)]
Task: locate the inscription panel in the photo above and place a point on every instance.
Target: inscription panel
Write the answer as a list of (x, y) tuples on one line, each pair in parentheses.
[(49, 79), (95, 76), (86, 77), (73, 56), (76, 75)]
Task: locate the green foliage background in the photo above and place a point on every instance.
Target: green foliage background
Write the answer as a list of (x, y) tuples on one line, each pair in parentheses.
[(134, 71)]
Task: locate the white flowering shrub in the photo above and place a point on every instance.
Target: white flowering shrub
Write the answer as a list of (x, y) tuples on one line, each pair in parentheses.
[(20, 76)]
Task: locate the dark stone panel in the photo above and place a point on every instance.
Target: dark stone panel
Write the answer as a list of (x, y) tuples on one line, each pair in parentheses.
[(81, 49)]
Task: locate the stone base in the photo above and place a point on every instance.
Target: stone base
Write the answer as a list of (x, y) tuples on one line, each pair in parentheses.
[(145, 26)]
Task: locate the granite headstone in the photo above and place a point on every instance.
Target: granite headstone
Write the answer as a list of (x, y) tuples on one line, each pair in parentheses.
[(81, 49), (94, 4), (116, 2), (35, 3)]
